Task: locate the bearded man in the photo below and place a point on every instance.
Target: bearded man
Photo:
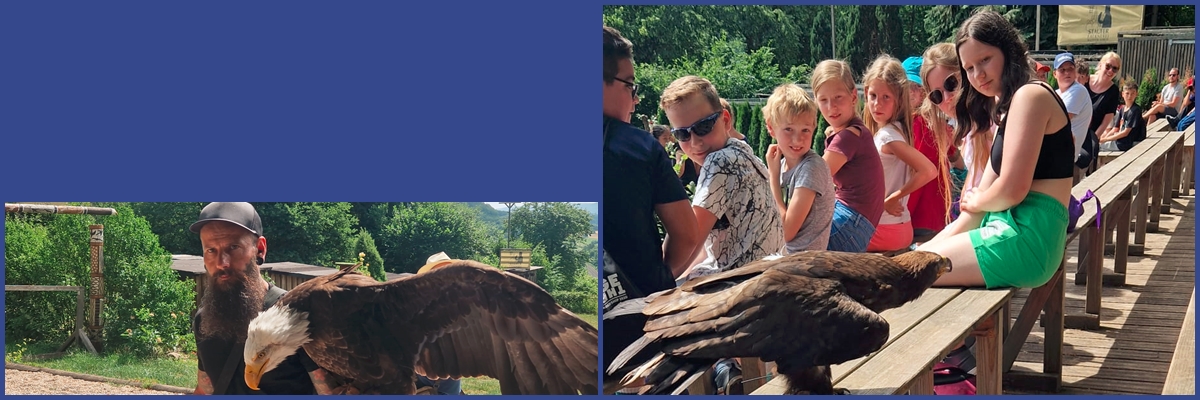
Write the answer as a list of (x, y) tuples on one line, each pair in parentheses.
[(233, 246)]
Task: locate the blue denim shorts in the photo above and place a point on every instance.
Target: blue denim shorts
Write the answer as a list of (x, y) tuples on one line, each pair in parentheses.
[(851, 232)]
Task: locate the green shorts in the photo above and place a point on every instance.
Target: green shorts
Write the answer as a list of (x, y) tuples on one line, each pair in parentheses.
[(1022, 246)]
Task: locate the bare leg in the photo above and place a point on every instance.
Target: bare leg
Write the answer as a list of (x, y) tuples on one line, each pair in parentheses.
[(965, 266)]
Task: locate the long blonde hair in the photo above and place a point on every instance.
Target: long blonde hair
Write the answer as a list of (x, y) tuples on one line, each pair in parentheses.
[(939, 55), (888, 69)]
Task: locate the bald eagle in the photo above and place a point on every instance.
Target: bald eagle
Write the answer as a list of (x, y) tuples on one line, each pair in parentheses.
[(804, 312), (461, 320)]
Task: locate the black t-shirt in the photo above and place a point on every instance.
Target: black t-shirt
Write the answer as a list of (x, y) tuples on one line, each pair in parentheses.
[(1131, 117), (290, 377), (1105, 102), (637, 176)]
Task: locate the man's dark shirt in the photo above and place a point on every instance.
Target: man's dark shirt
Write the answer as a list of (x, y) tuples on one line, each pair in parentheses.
[(290, 377), (637, 176)]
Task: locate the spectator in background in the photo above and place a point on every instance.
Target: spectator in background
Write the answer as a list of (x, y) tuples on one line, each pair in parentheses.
[(1105, 98), (1170, 99), (1077, 100), (733, 133), (1128, 128)]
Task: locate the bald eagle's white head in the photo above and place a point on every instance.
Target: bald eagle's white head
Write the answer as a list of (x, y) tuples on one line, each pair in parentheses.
[(274, 335)]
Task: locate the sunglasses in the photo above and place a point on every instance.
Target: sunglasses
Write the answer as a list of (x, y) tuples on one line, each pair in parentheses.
[(633, 87), (950, 85), (1110, 67), (701, 128), (1172, 74)]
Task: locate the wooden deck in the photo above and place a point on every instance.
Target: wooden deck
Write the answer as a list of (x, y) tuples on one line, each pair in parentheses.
[(1139, 322)]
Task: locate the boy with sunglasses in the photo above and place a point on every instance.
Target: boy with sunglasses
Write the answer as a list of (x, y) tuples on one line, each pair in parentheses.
[(1075, 97), (735, 212), (639, 182)]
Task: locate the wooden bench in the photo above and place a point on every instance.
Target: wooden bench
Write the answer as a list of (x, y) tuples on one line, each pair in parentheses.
[(1181, 376), (1187, 163), (923, 333), (1158, 128), (1143, 165)]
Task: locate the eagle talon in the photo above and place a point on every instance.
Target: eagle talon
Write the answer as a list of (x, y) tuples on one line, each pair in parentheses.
[(841, 391)]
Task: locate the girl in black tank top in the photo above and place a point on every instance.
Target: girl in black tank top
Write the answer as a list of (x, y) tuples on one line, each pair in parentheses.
[(1051, 164), (1007, 235)]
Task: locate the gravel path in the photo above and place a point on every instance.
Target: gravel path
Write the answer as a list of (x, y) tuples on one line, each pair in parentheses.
[(26, 382)]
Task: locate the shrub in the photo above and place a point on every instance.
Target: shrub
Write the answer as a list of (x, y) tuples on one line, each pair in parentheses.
[(1147, 88), (146, 304)]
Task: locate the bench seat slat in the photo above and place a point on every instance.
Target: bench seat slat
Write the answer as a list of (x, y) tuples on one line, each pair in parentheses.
[(894, 368)]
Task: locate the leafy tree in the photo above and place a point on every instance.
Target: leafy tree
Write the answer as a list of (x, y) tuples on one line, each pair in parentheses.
[(371, 216), (170, 221), (309, 233), (558, 227), (364, 243), (414, 231)]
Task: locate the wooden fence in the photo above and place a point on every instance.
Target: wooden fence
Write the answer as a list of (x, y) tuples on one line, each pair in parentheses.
[(1161, 49)]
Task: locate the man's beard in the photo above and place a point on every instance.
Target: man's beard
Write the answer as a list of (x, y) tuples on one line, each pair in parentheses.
[(231, 305)]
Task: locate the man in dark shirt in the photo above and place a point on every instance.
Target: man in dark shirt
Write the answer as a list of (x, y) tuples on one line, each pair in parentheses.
[(639, 182), (235, 292)]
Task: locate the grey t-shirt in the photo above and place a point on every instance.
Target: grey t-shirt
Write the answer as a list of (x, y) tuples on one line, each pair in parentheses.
[(811, 173)]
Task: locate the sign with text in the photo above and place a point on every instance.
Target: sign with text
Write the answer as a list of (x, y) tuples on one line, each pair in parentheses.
[(1096, 24), (515, 258)]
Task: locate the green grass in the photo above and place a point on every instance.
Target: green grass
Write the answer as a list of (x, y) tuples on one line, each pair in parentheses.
[(165, 371), (590, 318), (480, 386)]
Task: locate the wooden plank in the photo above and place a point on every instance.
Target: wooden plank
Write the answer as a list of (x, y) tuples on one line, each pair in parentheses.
[(41, 288), (900, 320), (1181, 375), (894, 369)]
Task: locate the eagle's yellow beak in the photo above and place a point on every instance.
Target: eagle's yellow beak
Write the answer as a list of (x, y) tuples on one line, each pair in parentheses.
[(254, 374)]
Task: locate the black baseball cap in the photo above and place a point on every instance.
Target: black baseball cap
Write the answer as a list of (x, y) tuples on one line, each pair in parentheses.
[(241, 214)]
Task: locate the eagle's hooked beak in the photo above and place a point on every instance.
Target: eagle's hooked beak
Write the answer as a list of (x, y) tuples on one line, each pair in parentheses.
[(945, 267), (254, 374)]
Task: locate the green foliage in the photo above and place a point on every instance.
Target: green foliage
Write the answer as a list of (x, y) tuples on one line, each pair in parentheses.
[(414, 231), (146, 304), (170, 221), (558, 227), (1148, 88), (365, 244), (818, 144), (309, 233), (736, 73)]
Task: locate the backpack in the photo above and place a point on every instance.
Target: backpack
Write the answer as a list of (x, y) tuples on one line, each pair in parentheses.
[(951, 380)]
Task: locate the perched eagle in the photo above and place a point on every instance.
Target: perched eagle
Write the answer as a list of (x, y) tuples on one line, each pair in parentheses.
[(461, 320), (805, 311)]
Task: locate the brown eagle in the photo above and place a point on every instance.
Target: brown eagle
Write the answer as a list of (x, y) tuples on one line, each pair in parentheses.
[(465, 319), (804, 312)]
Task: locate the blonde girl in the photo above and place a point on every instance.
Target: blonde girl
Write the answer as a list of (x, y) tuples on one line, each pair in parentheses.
[(889, 118), (851, 156)]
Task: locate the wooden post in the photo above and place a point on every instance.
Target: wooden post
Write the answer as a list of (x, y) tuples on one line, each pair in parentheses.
[(96, 317)]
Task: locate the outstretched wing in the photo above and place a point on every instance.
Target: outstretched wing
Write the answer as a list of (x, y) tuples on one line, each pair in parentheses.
[(776, 316), (472, 319)]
